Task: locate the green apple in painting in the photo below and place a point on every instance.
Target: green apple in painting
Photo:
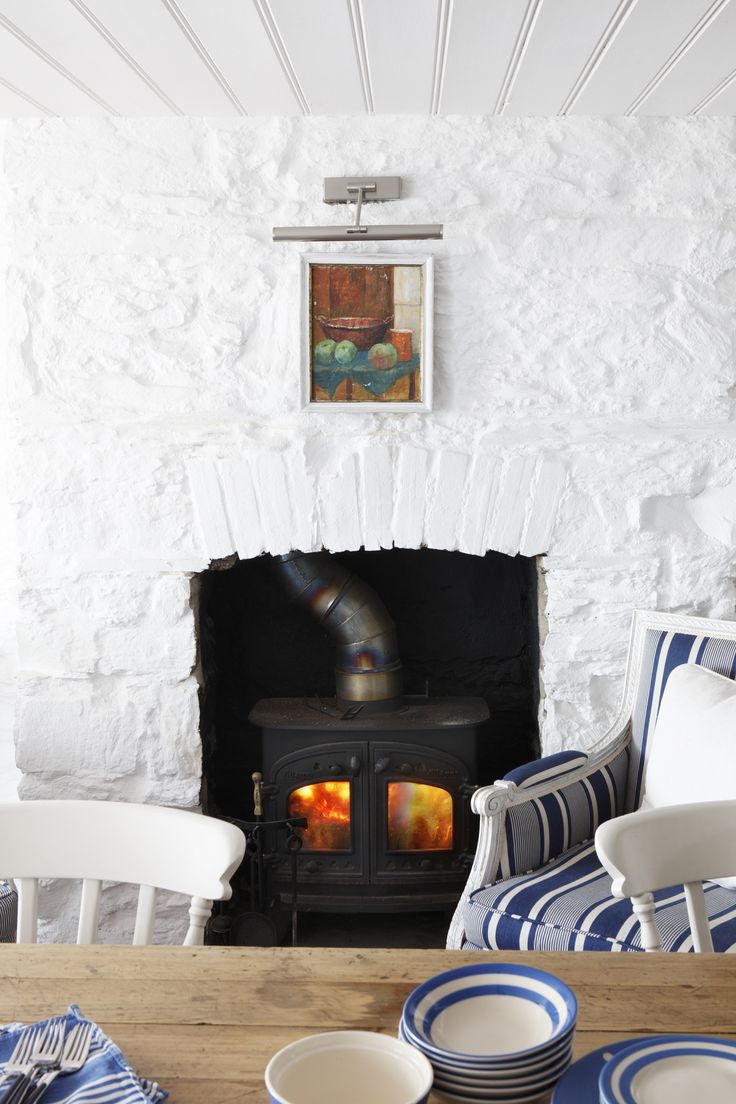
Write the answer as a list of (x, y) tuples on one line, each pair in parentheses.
[(345, 353), (383, 356), (324, 352)]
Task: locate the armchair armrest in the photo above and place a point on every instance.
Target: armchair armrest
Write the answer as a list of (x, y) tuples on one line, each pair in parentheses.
[(548, 769), (540, 810)]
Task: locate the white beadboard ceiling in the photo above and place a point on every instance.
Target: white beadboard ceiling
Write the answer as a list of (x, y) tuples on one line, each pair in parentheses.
[(336, 57)]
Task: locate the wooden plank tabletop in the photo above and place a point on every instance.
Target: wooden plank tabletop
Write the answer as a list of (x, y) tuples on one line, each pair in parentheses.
[(205, 1021)]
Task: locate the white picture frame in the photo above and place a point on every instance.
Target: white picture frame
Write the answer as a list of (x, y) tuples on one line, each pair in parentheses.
[(382, 299)]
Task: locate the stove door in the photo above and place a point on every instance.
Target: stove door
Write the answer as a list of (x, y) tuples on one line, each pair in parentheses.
[(420, 813), (325, 784)]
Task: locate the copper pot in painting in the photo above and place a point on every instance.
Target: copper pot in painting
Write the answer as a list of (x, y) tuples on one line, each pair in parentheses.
[(363, 332)]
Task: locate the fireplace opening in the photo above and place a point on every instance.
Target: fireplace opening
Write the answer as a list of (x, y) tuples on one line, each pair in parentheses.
[(385, 789)]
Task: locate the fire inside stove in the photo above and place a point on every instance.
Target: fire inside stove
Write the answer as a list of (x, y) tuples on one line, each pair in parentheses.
[(419, 816), (326, 805)]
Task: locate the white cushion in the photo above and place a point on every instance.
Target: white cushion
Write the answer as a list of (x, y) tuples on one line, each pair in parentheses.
[(692, 752)]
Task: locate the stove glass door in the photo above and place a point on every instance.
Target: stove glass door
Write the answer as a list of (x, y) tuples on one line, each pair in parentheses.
[(419, 817), (326, 805)]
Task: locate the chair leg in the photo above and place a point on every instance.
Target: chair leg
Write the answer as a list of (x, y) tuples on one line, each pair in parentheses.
[(643, 906), (27, 931), (199, 914), (696, 910)]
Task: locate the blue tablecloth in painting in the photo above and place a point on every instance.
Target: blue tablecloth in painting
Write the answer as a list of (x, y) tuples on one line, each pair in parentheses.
[(375, 380)]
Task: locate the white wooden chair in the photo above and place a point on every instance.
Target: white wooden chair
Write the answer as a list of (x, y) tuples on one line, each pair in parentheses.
[(652, 849), (108, 841)]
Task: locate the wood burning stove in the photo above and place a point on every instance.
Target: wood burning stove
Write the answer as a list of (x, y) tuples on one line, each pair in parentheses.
[(386, 796), (383, 779)]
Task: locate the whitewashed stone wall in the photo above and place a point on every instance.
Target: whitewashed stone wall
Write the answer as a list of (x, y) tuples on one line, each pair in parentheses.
[(584, 402), (8, 562)]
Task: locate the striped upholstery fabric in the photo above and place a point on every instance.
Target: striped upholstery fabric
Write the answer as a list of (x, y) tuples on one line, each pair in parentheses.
[(546, 769), (545, 827), (8, 912), (567, 906), (663, 651)]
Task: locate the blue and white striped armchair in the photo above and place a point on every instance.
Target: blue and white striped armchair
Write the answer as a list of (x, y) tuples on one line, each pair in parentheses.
[(536, 882)]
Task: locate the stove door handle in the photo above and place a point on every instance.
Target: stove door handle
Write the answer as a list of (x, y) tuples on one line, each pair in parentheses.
[(354, 767), (381, 764)]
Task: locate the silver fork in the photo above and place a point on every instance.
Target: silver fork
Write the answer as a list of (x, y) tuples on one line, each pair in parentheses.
[(73, 1057), (44, 1053), (20, 1060)]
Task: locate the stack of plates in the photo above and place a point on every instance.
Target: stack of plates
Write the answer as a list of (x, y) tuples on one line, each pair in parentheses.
[(494, 1032)]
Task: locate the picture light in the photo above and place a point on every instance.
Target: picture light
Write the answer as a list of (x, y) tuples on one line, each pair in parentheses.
[(360, 190)]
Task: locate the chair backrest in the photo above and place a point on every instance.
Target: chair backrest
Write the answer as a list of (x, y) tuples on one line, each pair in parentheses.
[(660, 642), (96, 841), (653, 849)]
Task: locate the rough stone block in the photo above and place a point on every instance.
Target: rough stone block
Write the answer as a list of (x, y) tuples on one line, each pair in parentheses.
[(82, 728), (445, 506), (108, 624), (377, 496), (242, 508), (302, 511), (209, 507), (507, 523), (275, 507), (714, 511), (410, 497), (338, 494), (483, 481), (543, 507)]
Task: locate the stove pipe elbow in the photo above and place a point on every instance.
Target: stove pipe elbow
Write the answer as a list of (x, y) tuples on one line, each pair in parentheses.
[(368, 668)]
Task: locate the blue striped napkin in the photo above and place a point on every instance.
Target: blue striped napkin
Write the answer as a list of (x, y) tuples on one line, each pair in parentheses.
[(105, 1078)]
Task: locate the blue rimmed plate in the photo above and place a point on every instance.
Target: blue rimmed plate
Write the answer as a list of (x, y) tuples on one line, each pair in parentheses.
[(671, 1069), (490, 1013), (579, 1085)]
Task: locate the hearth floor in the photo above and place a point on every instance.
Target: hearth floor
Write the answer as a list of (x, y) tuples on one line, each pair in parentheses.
[(407, 929)]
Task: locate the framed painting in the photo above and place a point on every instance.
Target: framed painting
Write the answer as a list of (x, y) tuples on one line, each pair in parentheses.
[(367, 332)]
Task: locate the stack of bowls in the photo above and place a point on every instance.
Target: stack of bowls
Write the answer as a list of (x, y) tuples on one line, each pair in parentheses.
[(493, 1032)]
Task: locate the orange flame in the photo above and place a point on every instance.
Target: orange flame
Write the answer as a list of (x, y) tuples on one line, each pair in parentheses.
[(326, 805), (419, 817)]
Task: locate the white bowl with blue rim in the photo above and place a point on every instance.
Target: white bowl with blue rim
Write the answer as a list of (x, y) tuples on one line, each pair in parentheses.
[(490, 1014), (671, 1069), (551, 1065), (361, 1067)]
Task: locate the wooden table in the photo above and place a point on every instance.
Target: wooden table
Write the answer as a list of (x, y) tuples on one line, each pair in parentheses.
[(204, 1021)]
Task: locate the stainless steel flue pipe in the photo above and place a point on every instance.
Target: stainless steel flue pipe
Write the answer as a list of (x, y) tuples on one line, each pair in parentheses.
[(368, 669)]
